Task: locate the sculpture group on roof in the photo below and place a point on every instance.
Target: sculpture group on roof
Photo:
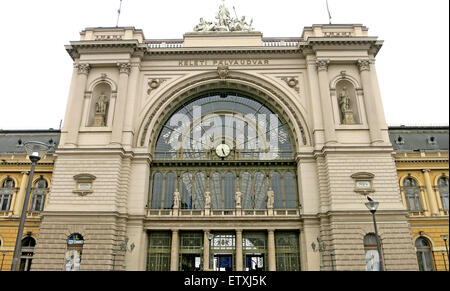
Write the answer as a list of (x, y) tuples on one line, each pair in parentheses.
[(224, 22)]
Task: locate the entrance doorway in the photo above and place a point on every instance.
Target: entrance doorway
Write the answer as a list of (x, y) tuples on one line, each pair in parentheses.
[(223, 262), (191, 262), (254, 262)]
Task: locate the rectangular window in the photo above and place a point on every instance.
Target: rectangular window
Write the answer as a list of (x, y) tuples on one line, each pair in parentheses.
[(287, 250), (159, 246)]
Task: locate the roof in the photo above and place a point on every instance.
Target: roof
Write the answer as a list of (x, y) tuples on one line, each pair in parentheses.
[(419, 138), (9, 139)]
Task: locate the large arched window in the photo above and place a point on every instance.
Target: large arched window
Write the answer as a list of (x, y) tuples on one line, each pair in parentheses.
[(6, 193), (39, 192), (412, 195), (443, 190), (424, 254), (224, 143)]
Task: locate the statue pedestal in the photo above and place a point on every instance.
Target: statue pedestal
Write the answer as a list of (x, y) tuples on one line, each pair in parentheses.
[(99, 120), (270, 211), (348, 117), (175, 211), (238, 211)]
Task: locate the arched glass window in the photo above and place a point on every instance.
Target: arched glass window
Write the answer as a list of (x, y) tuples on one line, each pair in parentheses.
[(412, 195), (372, 254), (443, 191), (186, 191), (39, 193), (74, 251), (169, 189), (277, 190), (6, 193), (290, 190), (157, 190), (229, 190), (248, 126), (222, 142), (424, 255), (26, 258), (216, 191)]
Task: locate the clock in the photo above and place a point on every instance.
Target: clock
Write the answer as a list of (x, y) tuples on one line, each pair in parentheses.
[(223, 150)]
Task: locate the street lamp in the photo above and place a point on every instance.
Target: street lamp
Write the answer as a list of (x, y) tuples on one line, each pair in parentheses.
[(3, 258), (372, 206), (445, 237), (36, 151)]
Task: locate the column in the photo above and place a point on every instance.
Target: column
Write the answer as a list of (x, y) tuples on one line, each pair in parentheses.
[(174, 251), (271, 249), (206, 247), (438, 199), (370, 103), (426, 209), (239, 263), (131, 105), (119, 110), (325, 99), (430, 194), (73, 118), (21, 195), (315, 99)]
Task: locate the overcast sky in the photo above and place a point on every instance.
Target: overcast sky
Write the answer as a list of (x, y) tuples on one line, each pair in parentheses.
[(36, 71)]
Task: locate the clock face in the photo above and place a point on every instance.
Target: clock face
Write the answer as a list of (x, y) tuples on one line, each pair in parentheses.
[(223, 150)]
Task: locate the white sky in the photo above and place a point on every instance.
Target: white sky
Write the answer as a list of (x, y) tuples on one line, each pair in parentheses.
[(36, 71)]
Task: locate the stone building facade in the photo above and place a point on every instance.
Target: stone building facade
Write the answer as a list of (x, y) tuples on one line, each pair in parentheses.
[(145, 181)]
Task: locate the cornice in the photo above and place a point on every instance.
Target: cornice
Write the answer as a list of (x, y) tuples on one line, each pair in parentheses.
[(222, 50)]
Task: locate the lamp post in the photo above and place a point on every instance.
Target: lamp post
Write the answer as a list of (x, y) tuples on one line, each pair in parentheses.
[(36, 151), (443, 257), (445, 237), (3, 258), (372, 206)]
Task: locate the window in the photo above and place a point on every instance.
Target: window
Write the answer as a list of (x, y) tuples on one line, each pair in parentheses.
[(259, 142), (443, 191), (39, 193), (424, 255), (159, 247), (412, 195), (287, 251), (6, 193), (191, 251), (75, 244), (372, 254), (26, 258)]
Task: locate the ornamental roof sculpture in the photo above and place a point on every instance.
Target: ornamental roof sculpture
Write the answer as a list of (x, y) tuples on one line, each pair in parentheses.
[(224, 22)]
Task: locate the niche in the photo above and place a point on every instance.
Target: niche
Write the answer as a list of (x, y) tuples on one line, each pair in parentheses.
[(98, 112), (347, 104)]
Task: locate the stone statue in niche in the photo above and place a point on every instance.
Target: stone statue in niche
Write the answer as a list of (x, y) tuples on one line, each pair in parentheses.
[(100, 110), (346, 107)]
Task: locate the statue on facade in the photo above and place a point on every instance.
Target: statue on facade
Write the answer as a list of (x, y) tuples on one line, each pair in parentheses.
[(270, 198), (223, 17), (207, 200), (100, 105), (237, 198), (224, 22), (345, 107), (176, 200), (100, 110)]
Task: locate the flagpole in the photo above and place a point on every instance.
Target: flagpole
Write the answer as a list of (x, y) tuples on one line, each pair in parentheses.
[(118, 13), (329, 14)]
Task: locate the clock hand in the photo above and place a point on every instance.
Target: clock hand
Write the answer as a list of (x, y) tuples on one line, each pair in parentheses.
[(223, 151)]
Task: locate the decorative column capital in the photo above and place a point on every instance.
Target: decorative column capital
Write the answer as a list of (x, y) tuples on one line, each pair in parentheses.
[(426, 170), (124, 68), (364, 65), (322, 65), (84, 69)]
